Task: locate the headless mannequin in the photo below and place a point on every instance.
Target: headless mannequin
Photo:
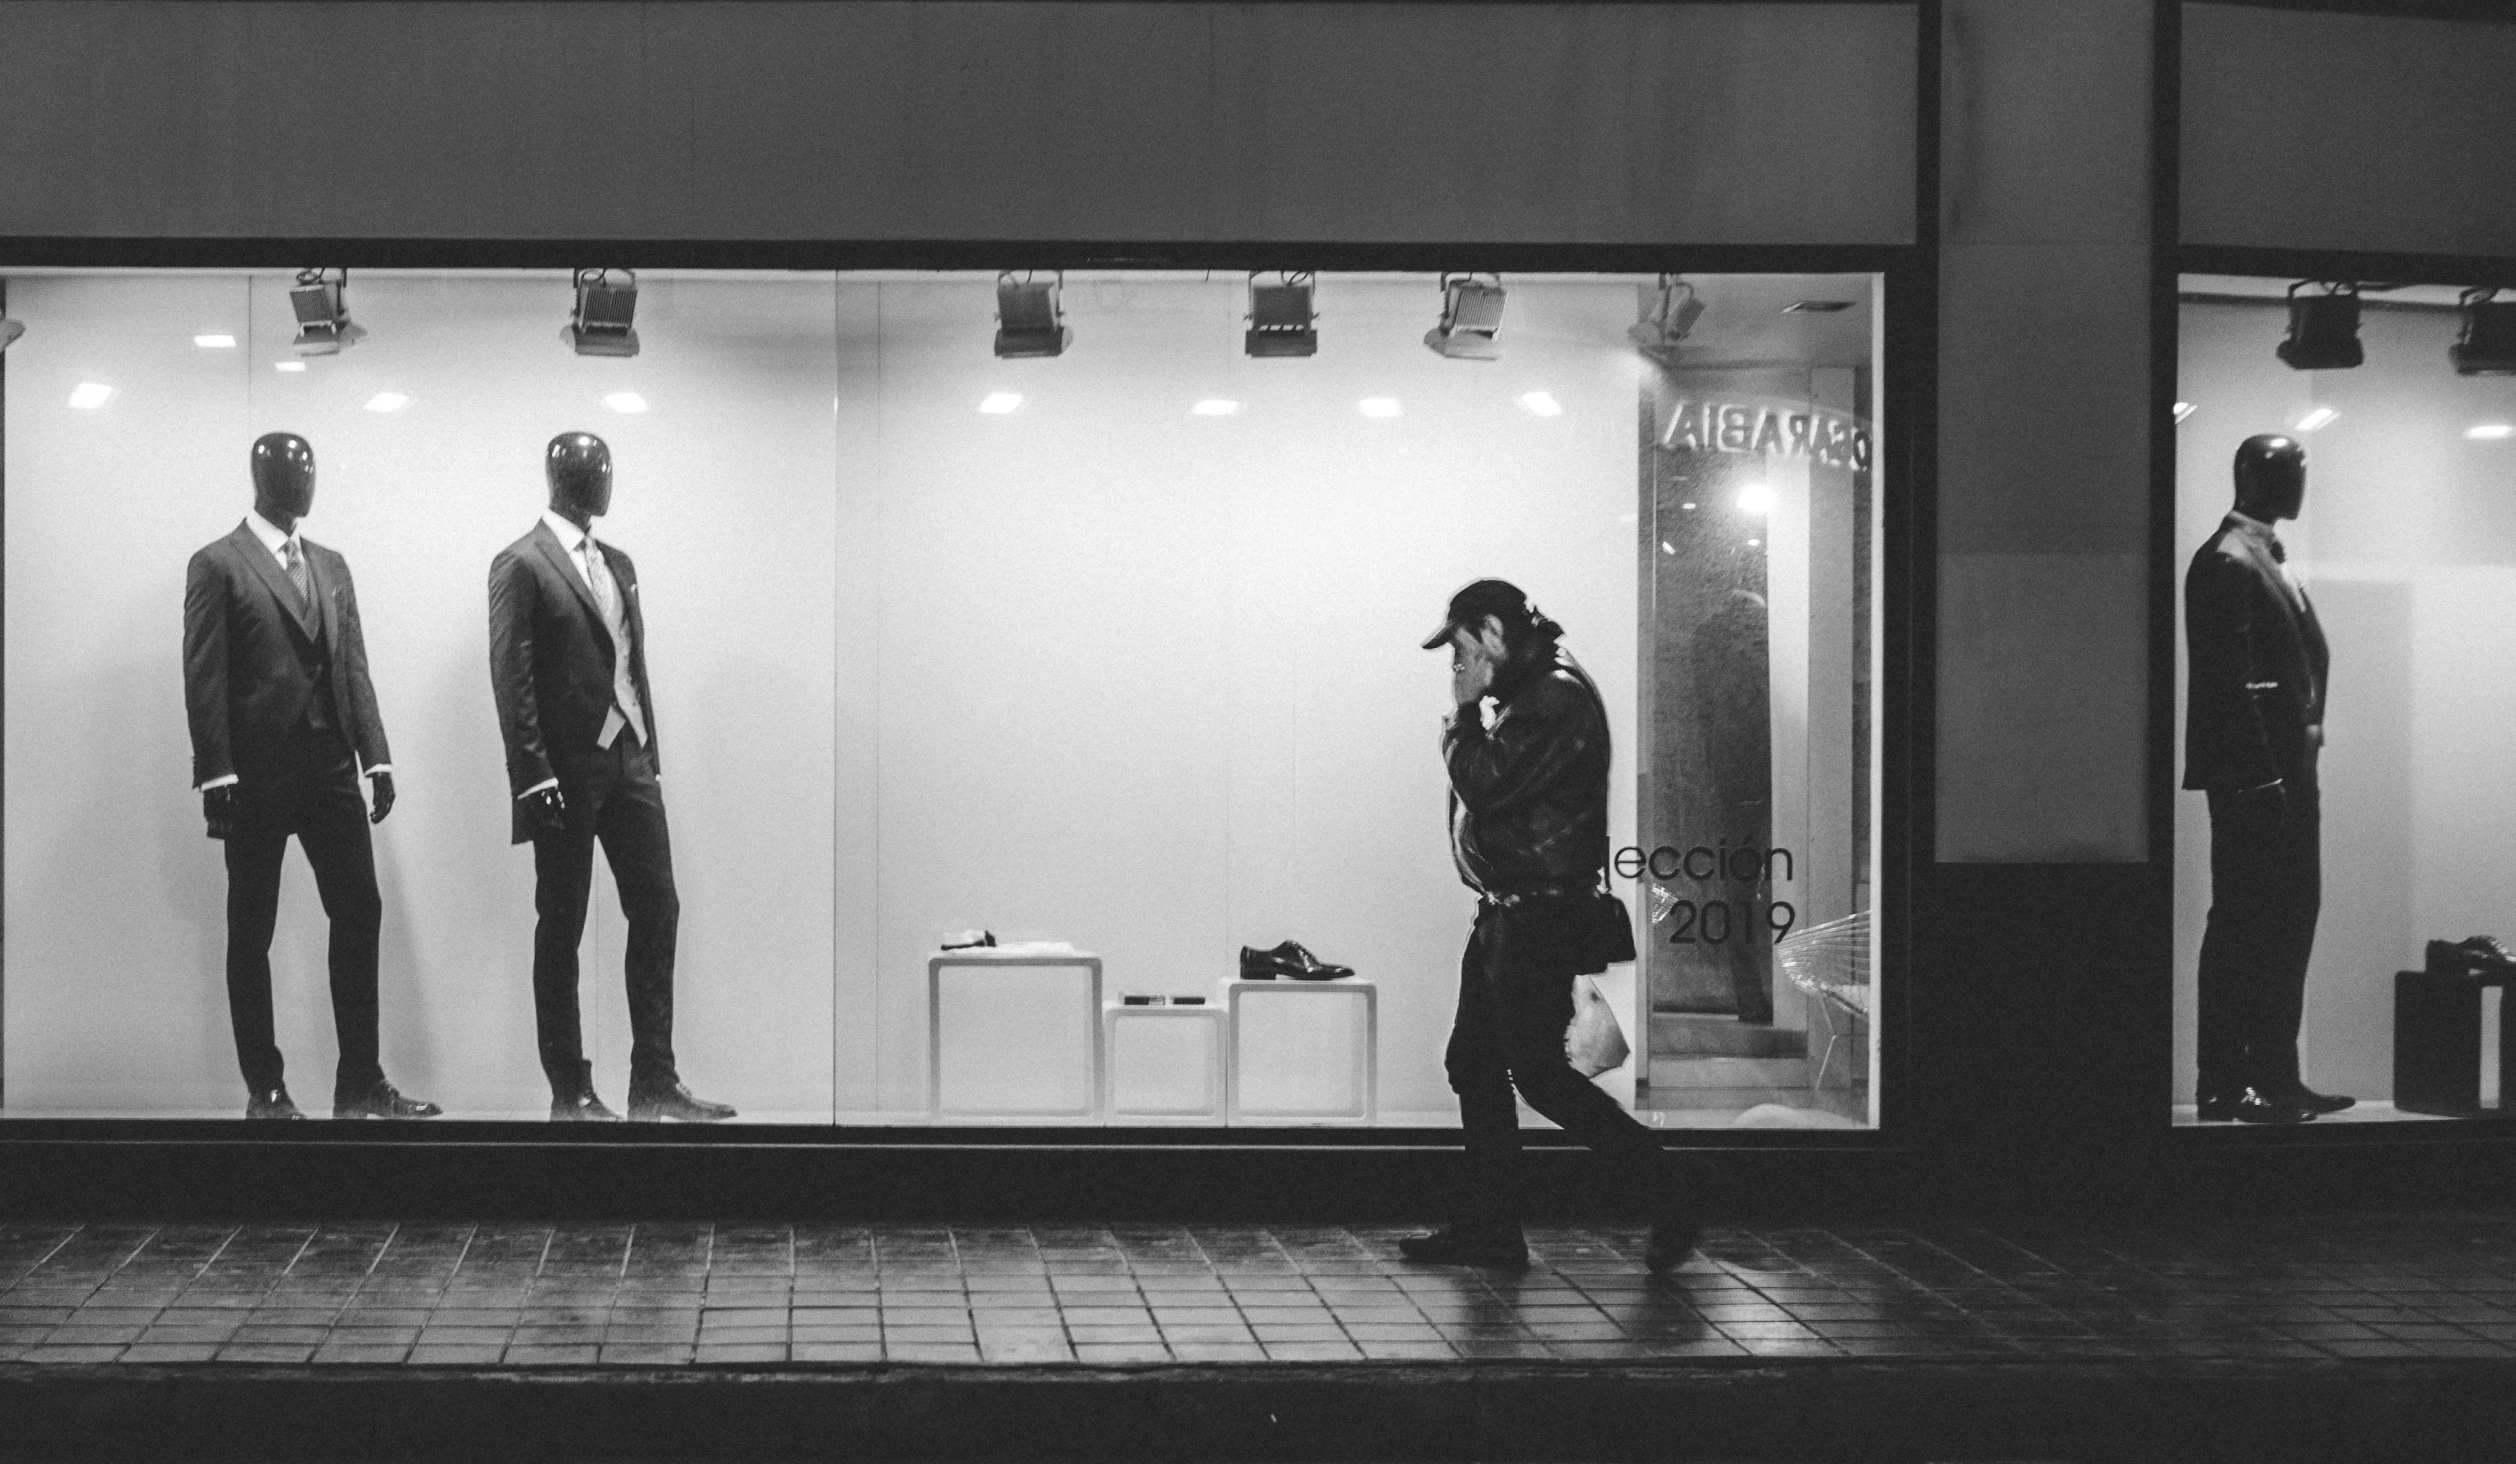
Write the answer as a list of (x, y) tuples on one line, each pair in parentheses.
[(2271, 486), (578, 467), (283, 493)]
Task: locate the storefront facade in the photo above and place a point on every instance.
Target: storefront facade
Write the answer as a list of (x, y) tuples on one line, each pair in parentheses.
[(1113, 654)]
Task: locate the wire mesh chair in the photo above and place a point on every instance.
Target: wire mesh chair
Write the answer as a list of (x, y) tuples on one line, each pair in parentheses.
[(1831, 962)]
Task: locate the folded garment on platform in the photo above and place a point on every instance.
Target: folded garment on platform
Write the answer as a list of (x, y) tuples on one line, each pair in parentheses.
[(1018, 948)]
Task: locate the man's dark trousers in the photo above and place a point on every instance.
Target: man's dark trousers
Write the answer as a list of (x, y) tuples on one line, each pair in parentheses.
[(1515, 1000), (2266, 888), (311, 792), (612, 796)]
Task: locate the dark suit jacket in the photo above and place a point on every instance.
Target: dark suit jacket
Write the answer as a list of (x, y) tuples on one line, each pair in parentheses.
[(551, 659), (252, 658), (2258, 663)]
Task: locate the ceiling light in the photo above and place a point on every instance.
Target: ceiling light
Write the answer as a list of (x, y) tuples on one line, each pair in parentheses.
[(1378, 406), (1471, 316), (1215, 407), (2487, 344), (998, 403), (1671, 317), (1817, 307), (2490, 432), (2323, 329), (87, 396), (2317, 420), (387, 401), (625, 402), (322, 309), (10, 330), (1541, 404), (1031, 317), (2184, 410), (605, 307), (288, 365), (1756, 499), (1282, 321), (215, 342)]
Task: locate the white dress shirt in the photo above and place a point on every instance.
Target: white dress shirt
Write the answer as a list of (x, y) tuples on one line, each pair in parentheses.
[(277, 540)]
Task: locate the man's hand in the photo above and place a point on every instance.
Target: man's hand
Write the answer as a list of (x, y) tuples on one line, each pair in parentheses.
[(380, 785), (218, 806), (1470, 678), (550, 811)]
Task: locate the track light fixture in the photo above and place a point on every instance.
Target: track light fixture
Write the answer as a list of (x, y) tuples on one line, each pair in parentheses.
[(1671, 317), (2323, 329), (322, 306), (10, 330), (1471, 316), (605, 307), (1282, 321), (2487, 344), (1031, 316)]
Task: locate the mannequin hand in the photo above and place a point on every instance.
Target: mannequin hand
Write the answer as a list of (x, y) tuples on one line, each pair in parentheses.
[(381, 784), (218, 807), (550, 811)]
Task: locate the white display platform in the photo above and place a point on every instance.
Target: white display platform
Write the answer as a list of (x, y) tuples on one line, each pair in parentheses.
[(1303, 1052), (1163, 1064), (1013, 1038)]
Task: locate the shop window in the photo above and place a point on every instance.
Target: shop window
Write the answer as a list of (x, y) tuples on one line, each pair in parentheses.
[(1111, 655), (2343, 853)]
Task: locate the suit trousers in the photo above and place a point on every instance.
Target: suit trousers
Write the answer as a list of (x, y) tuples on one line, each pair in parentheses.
[(312, 792), (2266, 888), (1515, 1000), (612, 797)]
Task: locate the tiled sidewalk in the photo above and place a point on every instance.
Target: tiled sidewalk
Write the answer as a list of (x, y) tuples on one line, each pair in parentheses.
[(458, 1295)]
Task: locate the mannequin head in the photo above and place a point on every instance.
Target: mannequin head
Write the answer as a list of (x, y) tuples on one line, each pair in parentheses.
[(2270, 477), (283, 478), (579, 467)]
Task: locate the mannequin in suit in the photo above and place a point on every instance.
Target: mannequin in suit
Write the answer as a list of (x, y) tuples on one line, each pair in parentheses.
[(2254, 728), (282, 718), (567, 664)]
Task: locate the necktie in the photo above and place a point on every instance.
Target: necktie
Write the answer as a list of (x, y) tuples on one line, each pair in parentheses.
[(598, 574), (296, 562)]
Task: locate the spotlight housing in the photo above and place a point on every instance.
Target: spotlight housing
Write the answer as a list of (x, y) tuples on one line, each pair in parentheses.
[(1282, 321), (2323, 329), (10, 330), (1471, 316), (2487, 345), (1031, 317), (605, 307), (322, 307), (1675, 314)]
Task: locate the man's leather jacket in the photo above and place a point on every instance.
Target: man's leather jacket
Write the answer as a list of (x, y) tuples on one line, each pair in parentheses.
[(1528, 796)]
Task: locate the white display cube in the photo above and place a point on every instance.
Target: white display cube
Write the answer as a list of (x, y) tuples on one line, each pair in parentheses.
[(1164, 1064), (1013, 1039), (1303, 1052)]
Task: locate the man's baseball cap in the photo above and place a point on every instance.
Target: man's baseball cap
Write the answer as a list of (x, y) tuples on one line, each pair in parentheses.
[(1485, 597)]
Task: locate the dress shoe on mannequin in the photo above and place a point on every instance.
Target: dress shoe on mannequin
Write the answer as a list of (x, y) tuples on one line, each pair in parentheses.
[(2307, 1098), (661, 1101), (271, 1103), (576, 1103), (2253, 1106), (382, 1100)]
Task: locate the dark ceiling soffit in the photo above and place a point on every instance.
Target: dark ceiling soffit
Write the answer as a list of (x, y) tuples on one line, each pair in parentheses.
[(2347, 264), (65, 252)]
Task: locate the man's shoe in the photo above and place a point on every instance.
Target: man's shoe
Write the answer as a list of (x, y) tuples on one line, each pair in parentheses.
[(1289, 959), (382, 1100), (573, 1101), (2252, 1106), (2307, 1098), (271, 1103), (2474, 956), (1498, 1247), (1674, 1237), (675, 1102)]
